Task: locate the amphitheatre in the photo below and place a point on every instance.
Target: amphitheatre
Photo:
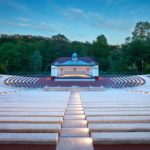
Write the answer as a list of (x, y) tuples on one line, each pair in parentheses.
[(74, 75), (74, 113)]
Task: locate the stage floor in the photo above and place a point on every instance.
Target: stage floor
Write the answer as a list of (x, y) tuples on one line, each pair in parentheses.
[(76, 75)]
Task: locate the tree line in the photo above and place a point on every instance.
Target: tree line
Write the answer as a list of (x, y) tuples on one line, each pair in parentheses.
[(34, 54)]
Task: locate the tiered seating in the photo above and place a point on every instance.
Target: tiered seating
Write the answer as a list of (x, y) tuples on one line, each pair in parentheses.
[(115, 82), (20, 81), (118, 120), (128, 81), (97, 83), (31, 119)]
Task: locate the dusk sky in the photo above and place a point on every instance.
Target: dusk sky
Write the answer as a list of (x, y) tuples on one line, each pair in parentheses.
[(81, 20)]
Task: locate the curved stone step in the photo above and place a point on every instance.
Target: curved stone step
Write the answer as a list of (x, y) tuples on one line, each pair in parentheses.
[(121, 137), (29, 128), (138, 127), (119, 113), (28, 138), (118, 119), (31, 120), (33, 114)]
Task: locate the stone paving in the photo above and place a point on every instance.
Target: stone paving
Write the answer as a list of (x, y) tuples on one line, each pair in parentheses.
[(76, 120), (74, 133)]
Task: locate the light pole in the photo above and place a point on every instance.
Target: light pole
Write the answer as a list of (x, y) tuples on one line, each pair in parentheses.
[(142, 66)]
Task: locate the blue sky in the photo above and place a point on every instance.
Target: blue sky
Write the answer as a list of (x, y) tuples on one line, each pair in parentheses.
[(81, 20)]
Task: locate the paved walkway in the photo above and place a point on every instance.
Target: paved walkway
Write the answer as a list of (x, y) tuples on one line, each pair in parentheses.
[(74, 134)]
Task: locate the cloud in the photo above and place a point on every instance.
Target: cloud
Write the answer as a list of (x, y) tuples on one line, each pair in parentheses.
[(141, 10), (49, 27), (96, 20), (14, 22), (40, 27), (74, 13), (17, 21), (110, 24), (110, 2), (24, 19), (16, 5)]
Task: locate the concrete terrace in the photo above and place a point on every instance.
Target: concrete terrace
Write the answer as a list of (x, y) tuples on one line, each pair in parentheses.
[(75, 119)]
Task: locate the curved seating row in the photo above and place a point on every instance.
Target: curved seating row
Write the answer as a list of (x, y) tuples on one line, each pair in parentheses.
[(114, 82), (127, 81), (21, 81)]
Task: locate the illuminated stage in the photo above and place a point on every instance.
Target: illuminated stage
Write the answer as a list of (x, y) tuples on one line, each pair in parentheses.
[(75, 75), (74, 66)]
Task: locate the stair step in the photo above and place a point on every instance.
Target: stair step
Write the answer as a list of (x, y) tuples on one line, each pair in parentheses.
[(74, 124), (75, 143), (74, 117), (74, 112), (74, 132)]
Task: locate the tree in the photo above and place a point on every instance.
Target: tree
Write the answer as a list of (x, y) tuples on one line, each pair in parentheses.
[(136, 52), (60, 46), (100, 51), (81, 48), (23, 53), (9, 57), (137, 48), (141, 31), (59, 37), (102, 39), (2, 68), (36, 61)]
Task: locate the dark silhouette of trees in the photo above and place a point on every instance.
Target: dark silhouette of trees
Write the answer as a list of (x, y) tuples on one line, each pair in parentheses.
[(26, 53)]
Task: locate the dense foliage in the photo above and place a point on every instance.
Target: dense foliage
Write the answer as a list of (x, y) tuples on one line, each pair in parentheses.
[(20, 53)]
